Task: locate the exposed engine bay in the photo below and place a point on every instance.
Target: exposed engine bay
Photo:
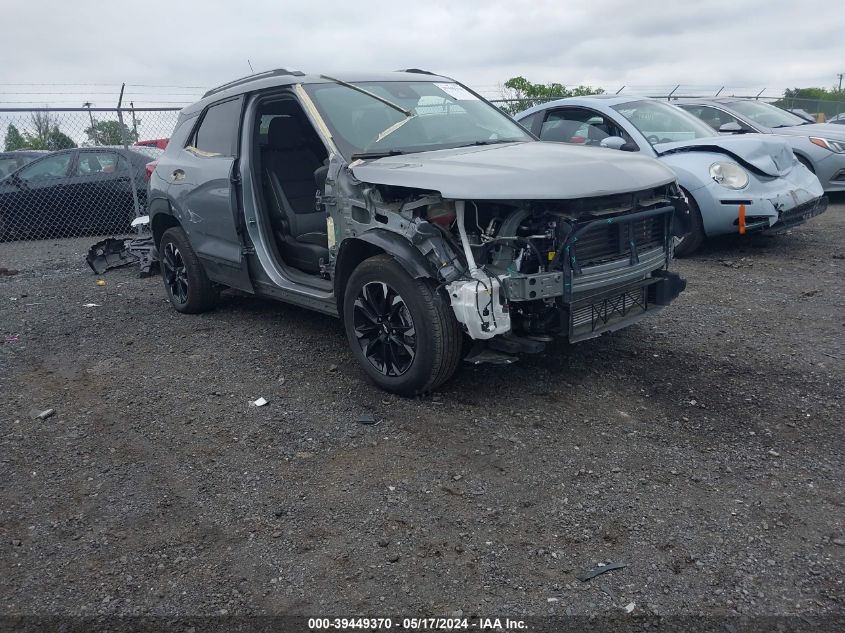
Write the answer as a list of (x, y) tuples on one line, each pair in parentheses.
[(537, 269)]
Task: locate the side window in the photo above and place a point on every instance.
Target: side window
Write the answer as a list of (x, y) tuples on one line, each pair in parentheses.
[(51, 167), (217, 134), (713, 117), (91, 163), (528, 122), (579, 126)]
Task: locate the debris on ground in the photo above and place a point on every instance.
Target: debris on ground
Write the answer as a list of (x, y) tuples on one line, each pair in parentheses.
[(8, 272), (43, 415), (101, 282), (116, 253), (259, 403), (91, 305), (108, 253), (629, 608), (366, 418), (601, 568), (143, 248)]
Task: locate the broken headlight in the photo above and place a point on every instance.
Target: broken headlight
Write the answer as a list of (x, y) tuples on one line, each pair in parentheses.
[(729, 174)]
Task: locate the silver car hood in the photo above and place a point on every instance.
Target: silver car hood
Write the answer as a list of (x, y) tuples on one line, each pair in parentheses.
[(772, 156), (532, 170), (825, 130)]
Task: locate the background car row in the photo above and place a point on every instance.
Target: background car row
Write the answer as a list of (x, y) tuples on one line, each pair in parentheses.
[(64, 195), (82, 191), (734, 184)]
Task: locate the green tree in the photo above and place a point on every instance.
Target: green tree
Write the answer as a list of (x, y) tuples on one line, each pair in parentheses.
[(109, 133), (57, 139), (45, 134), (830, 101), (522, 94), (14, 139)]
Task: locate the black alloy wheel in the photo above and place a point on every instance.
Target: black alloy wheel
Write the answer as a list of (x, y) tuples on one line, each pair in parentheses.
[(175, 273), (384, 329), (187, 286)]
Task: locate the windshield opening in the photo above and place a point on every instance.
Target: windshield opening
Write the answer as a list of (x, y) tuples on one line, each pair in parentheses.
[(441, 115), (663, 123), (766, 114)]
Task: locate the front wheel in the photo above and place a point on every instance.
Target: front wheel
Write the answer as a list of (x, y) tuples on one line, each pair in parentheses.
[(401, 330), (185, 281), (689, 243)]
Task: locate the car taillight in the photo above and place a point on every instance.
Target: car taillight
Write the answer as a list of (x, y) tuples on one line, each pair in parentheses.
[(149, 168)]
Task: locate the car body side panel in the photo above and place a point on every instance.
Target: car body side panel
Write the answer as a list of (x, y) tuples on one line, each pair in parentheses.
[(200, 195), (203, 202)]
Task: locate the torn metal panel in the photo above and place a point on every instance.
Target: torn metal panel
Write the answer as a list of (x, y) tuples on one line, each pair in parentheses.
[(771, 156)]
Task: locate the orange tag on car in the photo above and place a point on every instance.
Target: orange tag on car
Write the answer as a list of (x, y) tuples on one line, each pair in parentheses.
[(742, 219)]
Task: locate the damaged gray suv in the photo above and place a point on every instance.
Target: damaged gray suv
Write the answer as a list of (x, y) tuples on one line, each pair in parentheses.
[(431, 223)]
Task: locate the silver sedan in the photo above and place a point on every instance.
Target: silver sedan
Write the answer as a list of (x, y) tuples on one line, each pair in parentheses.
[(820, 146)]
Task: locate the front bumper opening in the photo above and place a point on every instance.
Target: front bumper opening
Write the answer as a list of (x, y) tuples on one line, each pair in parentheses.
[(614, 309), (800, 214), (787, 219)]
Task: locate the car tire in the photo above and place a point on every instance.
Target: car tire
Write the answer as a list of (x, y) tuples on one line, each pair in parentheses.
[(689, 243), (187, 286), (401, 330)]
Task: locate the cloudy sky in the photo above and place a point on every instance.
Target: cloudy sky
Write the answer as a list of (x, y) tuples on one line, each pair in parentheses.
[(187, 45)]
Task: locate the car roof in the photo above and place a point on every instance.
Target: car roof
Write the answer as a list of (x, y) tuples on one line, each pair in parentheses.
[(722, 100), (24, 152), (608, 100), (281, 77)]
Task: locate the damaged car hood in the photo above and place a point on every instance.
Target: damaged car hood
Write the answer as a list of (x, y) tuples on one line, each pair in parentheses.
[(517, 171), (771, 156)]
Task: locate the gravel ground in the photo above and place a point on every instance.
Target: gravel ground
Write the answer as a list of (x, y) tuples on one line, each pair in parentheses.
[(702, 448)]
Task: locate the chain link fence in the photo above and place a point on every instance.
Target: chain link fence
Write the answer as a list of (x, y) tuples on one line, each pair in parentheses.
[(821, 110), (71, 172)]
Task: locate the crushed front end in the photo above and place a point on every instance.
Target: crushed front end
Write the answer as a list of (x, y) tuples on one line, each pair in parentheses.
[(576, 268)]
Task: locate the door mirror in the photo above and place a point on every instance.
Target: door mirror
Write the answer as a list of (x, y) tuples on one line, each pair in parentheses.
[(731, 127), (613, 142), (617, 142)]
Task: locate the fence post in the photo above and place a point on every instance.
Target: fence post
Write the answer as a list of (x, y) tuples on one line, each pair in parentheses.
[(123, 129)]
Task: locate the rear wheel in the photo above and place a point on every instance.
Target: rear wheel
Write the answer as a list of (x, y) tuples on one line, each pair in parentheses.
[(185, 281), (401, 330), (689, 243)]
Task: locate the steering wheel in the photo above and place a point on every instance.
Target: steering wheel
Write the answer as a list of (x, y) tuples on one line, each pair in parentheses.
[(652, 139)]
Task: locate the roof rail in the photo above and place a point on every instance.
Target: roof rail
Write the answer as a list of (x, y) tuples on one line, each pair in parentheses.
[(418, 71), (277, 72)]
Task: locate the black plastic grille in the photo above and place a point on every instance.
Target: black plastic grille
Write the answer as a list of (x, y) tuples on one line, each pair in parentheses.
[(612, 241)]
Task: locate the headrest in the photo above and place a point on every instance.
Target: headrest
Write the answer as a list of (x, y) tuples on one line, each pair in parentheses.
[(285, 132)]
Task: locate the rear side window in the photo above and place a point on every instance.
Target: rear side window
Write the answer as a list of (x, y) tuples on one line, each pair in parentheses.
[(94, 163), (217, 134)]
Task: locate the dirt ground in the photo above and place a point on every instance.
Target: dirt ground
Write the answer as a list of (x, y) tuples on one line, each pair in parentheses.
[(702, 448)]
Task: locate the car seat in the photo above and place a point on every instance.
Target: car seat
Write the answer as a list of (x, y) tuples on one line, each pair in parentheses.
[(289, 162)]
